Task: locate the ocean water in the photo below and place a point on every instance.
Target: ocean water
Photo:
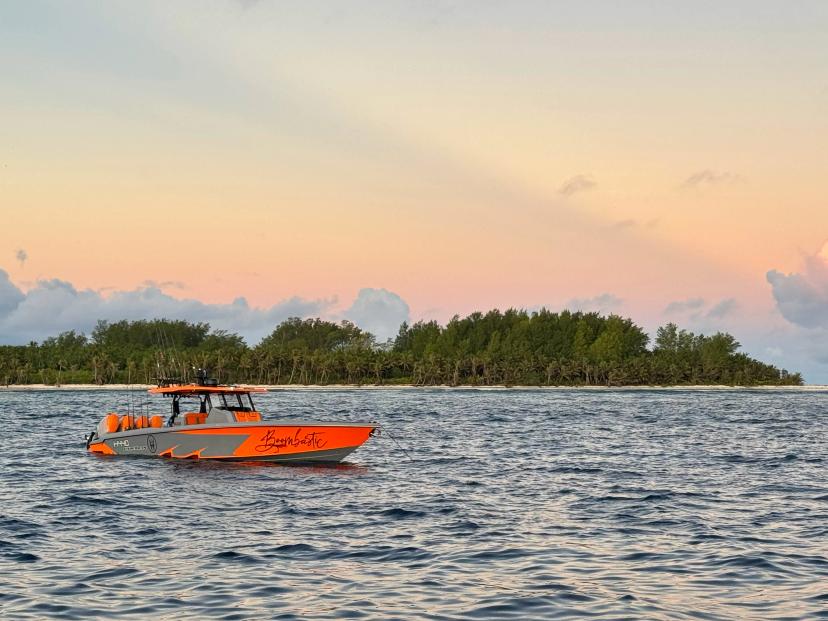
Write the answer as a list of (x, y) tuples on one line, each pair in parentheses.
[(491, 504)]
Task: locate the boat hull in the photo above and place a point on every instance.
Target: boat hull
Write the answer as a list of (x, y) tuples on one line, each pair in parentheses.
[(272, 442)]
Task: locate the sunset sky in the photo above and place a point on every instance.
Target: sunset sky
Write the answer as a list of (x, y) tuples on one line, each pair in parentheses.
[(667, 161)]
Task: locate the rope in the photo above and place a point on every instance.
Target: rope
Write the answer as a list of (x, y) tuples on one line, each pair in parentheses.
[(400, 446)]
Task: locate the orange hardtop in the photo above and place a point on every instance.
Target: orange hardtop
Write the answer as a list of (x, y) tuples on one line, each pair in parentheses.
[(196, 389)]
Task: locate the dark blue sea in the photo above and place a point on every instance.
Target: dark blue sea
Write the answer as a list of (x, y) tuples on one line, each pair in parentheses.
[(502, 504)]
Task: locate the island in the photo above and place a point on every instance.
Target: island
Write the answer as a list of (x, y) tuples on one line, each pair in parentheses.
[(497, 348)]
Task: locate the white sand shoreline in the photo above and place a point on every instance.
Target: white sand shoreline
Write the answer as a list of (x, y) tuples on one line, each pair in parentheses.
[(124, 387)]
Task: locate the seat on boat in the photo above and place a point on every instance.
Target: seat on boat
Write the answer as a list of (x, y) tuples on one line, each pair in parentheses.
[(247, 417), (127, 422), (108, 424), (219, 416), (156, 421), (141, 422), (195, 418), (222, 415)]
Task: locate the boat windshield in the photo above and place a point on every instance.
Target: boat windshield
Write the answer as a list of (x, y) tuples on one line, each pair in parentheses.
[(191, 403), (235, 402)]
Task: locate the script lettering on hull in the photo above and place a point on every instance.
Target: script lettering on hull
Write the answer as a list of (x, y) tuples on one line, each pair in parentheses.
[(270, 442)]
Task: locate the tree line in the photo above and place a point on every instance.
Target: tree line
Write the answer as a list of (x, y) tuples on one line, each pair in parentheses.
[(509, 348)]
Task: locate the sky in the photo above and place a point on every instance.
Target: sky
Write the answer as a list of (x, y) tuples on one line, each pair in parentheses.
[(243, 161)]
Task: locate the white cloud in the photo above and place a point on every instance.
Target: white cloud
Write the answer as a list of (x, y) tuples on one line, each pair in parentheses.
[(604, 303), (379, 311), (166, 284), (693, 309), (709, 178), (54, 306), (625, 224), (801, 298), (684, 306), (722, 309), (10, 296), (578, 183)]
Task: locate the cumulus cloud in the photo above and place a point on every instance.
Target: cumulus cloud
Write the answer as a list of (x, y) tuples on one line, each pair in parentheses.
[(684, 306), (707, 178), (22, 256), (800, 300), (697, 309), (578, 183), (604, 303), (10, 295), (631, 223), (379, 311), (802, 297), (166, 284), (53, 306), (722, 309)]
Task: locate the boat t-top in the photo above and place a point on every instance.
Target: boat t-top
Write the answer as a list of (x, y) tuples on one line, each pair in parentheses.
[(212, 421)]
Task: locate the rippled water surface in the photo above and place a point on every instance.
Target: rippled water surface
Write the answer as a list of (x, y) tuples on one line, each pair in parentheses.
[(520, 504)]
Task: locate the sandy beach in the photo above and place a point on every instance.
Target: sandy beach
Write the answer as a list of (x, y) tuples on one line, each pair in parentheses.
[(115, 387)]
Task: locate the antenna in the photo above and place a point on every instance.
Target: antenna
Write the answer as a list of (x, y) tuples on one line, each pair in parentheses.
[(131, 409)]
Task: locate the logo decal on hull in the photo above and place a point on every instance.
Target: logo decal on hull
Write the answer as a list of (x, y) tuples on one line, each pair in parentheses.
[(270, 442), (152, 446), (123, 446)]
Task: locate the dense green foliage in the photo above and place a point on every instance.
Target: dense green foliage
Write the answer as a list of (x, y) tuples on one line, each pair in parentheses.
[(495, 348)]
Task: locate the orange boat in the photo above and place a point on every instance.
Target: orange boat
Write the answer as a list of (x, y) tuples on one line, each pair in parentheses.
[(211, 421)]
